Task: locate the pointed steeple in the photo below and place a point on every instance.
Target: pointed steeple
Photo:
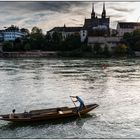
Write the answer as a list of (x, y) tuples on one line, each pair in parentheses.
[(104, 11), (93, 13), (104, 6), (92, 7)]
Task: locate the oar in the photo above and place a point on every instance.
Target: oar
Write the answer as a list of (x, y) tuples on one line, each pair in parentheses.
[(75, 106)]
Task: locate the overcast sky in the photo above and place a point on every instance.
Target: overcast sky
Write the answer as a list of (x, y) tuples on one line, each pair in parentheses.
[(47, 15)]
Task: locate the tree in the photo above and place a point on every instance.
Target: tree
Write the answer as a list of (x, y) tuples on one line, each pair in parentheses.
[(97, 49), (86, 48), (36, 30), (121, 49), (27, 47), (7, 46), (137, 46), (106, 51), (132, 39), (17, 45), (56, 41), (71, 43), (12, 27), (47, 42), (36, 39), (25, 31)]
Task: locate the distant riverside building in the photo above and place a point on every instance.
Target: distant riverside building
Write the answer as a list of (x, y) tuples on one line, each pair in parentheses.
[(11, 34), (127, 27), (66, 31), (110, 41)]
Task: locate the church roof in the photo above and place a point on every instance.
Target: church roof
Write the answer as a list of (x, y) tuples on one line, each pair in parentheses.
[(66, 29), (89, 23), (128, 24)]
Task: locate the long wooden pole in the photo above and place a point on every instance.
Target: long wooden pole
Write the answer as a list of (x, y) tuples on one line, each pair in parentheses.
[(75, 106)]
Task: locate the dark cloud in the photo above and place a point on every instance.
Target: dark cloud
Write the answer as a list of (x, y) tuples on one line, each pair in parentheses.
[(121, 20), (62, 6), (74, 20), (48, 14), (122, 9), (116, 15)]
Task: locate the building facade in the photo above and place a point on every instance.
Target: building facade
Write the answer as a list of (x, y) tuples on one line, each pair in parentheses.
[(11, 34), (110, 42), (65, 31), (127, 27)]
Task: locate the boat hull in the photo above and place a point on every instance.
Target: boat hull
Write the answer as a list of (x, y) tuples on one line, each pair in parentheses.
[(49, 114)]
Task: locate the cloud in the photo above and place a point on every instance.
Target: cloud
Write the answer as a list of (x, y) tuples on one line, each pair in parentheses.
[(74, 20), (62, 6), (48, 14), (33, 13), (122, 9), (116, 15)]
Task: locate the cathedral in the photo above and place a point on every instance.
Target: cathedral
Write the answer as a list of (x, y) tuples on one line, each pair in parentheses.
[(97, 26), (93, 26)]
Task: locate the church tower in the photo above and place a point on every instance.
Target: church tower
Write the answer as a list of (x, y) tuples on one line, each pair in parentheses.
[(104, 11), (93, 13)]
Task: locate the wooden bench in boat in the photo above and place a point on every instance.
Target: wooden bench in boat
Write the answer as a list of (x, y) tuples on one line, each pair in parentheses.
[(67, 111), (37, 112)]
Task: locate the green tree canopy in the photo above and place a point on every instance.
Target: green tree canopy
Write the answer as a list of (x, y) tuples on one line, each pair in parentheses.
[(36, 30), (132, 39), (121, 49), (25, 31)]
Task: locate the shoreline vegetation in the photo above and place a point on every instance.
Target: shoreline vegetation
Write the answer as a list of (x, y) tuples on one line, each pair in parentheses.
[(57, 54), (36, 44)]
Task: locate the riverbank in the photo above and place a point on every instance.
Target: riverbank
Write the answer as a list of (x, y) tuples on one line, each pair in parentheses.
[(29, 54), (55, 54)]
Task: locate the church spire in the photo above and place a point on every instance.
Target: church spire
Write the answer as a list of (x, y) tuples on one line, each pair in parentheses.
[(104, 11), (93, 13), (104, 6)]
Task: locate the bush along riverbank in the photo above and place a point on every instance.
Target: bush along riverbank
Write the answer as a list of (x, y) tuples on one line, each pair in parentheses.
[(86, 53), (55, 54)]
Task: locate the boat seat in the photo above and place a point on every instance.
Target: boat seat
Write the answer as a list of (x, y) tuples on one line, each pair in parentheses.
[(67, 111), (49, 113)]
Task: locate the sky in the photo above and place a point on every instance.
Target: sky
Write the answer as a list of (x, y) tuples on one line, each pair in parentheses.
[(49, 14)]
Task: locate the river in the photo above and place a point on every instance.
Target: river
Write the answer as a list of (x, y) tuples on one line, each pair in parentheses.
[(27, 84)]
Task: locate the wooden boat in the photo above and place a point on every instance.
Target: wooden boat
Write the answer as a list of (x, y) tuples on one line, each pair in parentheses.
[(47, 114)]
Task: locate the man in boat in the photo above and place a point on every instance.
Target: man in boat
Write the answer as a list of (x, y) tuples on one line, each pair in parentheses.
[(11, 116), (82, 105), (26, 114)]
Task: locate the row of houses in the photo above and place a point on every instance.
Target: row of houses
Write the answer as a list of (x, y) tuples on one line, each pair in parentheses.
[(97, 30)]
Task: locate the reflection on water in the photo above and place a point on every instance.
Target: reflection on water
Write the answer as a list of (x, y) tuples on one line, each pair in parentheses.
[(28, 84)]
